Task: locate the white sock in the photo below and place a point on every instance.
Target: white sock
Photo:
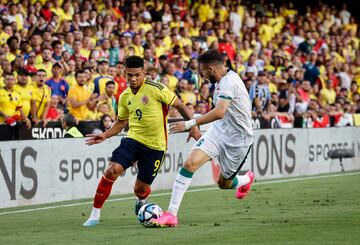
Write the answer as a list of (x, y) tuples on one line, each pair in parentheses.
[(181, 184), (95, 213), (242, 180), (141, 200)]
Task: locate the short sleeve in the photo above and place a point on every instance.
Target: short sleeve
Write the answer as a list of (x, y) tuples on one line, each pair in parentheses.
[(123, 111), (165, 96), (48, 98), (227, 89)]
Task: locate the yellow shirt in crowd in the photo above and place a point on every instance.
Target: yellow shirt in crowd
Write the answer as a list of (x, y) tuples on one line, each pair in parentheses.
[(25, 93), (173, 81), (79, 93), (10, 102), (47, 67), (41, 95)]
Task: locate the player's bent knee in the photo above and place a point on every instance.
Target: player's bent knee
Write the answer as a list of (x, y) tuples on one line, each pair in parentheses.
[(191, 165), (139, 190), (113, 171)]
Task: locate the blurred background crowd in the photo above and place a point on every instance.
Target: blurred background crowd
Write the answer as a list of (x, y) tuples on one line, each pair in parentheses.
[(302, 69)]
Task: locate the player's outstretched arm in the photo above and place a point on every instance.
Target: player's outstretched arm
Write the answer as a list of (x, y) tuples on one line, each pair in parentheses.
[(215, 114), (114, 130), (186, 114)]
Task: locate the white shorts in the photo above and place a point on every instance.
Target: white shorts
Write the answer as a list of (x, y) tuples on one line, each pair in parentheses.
[(231, 151)]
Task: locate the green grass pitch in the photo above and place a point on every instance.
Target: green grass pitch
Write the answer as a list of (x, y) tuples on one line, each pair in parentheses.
[(309, 211)]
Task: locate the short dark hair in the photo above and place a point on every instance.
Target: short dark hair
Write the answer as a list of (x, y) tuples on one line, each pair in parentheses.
[(12, 38), (8, 74), (79, 72), (22, 71), (134, 62), (210, 57), (54, 43), (40, 70), (69, 120), (109, 82)]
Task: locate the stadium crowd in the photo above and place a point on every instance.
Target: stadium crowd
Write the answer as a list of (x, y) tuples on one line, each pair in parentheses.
[(58, 57)]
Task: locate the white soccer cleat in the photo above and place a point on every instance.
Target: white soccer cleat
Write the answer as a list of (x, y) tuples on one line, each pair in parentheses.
[(91, 222)]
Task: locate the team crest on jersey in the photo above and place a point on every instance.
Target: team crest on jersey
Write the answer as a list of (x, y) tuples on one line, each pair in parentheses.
[(144, 99)]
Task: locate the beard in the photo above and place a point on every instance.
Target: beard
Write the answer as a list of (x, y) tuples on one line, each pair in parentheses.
[(212, 79)]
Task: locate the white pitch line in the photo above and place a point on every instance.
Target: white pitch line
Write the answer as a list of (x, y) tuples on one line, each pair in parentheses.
[(169, 193)]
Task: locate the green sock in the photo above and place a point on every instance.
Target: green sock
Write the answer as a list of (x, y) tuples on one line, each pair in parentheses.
[(234, 183), (186, 173)]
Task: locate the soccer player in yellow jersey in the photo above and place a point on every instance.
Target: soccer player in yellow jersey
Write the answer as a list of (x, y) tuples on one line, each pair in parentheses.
[(144, 106)]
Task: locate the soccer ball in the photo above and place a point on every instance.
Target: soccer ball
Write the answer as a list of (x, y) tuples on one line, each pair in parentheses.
[(147, 212)]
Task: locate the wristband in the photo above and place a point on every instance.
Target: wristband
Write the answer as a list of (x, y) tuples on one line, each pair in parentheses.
[(189, 124)]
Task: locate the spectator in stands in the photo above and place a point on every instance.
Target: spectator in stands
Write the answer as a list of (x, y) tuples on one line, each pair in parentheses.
[(185, 91), (282, 119), (55, 113), (30, 62), (260, 94), (24, 88), (105, 123), (81, 100), (192, 73), (346, 118), (173, 81), (103, 76), (311, 71), (173, 114), (320, 118), (354, 89), (120, 80), (327, 94), (40, 101), (69, 124), (11, 110), (109, 99), (45, 62), (204, 95), (57, 84), (200, 108), (303, 97)]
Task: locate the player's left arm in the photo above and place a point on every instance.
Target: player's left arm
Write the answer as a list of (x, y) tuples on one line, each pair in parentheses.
[(215, 114)]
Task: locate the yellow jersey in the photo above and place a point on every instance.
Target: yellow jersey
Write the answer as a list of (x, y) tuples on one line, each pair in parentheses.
[(10, 102), (47, 67), (3, 38), (173, 81), (25, 93), (79, 93), (41, 96), (147, 113)]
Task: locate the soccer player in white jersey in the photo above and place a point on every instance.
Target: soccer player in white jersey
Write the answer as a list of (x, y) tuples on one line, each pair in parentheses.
[(229, 138)]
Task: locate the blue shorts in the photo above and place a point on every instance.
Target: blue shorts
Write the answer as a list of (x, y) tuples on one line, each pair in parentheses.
[(148, 160)]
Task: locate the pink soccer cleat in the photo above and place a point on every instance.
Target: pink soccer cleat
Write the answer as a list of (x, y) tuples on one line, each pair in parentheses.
[(243, 190), (165, 220)]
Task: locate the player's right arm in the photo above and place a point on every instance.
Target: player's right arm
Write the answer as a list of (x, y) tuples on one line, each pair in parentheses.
[(117, 127)]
